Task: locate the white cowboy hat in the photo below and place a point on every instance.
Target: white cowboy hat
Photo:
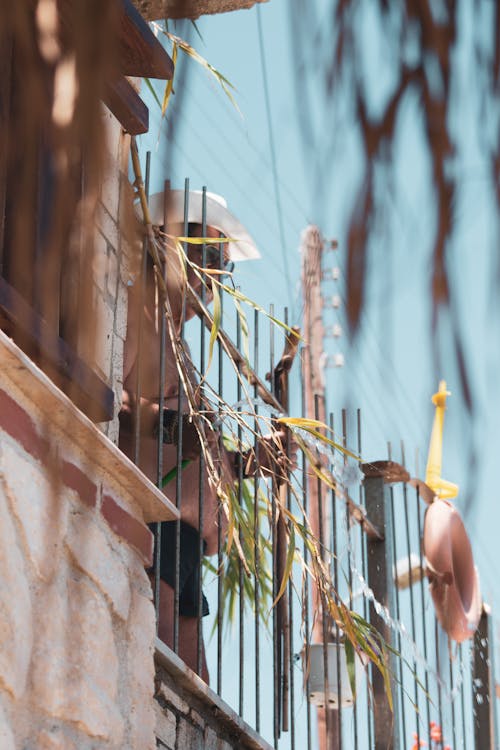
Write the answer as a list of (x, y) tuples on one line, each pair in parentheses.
[(217, 215)]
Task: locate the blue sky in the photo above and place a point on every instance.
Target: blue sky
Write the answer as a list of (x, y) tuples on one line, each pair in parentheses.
[(390, 371)]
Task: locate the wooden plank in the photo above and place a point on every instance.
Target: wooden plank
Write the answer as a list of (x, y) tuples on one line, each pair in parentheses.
[(390, 471), (70, 373), (127, 106), (5, 102), (141, 54)]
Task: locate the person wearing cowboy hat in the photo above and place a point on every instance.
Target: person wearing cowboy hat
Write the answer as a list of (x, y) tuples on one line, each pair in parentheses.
[(197, 211)]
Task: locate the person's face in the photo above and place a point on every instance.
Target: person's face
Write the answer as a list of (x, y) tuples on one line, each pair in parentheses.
[(214, 255), (195, 254)]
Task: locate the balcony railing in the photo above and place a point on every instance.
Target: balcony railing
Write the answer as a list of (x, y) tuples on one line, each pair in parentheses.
[(271, 646)]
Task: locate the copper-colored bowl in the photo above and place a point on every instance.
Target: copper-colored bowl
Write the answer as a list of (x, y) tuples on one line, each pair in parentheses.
[(454, 580)]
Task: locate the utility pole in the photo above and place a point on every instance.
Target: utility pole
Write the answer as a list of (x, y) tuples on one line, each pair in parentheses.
[(312, 247)]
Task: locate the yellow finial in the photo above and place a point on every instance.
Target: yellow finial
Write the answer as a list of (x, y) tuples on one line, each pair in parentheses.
[(439, 398), (441, 487)]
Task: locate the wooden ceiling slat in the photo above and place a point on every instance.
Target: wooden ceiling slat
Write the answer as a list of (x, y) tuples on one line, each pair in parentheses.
[(127, 106), (141, 54)]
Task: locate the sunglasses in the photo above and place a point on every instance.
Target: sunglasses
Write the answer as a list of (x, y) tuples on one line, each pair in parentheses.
[(211, 257)]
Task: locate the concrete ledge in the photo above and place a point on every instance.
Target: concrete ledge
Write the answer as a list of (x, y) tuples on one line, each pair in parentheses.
[(55, 407), (211, 706)]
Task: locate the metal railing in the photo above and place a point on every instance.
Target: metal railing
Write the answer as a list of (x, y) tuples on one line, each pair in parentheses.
[(265, 665)]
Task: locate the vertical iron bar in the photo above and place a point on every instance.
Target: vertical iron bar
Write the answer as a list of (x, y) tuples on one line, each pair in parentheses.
[(412, 601), (395, 584), (163, 341), (256, 522), (140, 314), (424, 620), (220, 560), (305, 552), (363, 569), (349, 564), (276, 652), (178, 478), (240, 503), (290, 600), (336, 586), (438, 670), (201, 473), (324, 613), (462, 697), (161, 404), (452, 696)]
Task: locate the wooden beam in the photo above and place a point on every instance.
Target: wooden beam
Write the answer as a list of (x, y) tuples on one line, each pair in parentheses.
[(390, 471), (141, 54), (70, 373), (127, 106)]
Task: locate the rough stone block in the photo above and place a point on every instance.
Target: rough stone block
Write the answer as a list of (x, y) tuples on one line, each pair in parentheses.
[(93, 554), (211, 739), (111, 430), (76, 480), (100, 261), (112, 274), (129, 528), (121, 311), (103, 344), (141, 631), (110, 187), (75, 664), (6, 735), (108, 226), (54, 739), (197, 719), (174, 700), (16, 633), (117, 369), (40, 509), (114, 135), (19, 425), (166, 726), (189, 737)]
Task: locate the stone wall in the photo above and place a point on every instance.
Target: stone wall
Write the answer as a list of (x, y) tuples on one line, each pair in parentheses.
[(190, 716), (114, 263), (76, 617)]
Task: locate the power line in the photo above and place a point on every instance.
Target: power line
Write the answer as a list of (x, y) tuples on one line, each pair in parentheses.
[(273, 160)]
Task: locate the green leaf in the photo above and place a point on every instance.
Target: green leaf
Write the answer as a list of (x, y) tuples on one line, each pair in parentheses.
[(216, 321), (202, 240), (244, 330), (288, 564), (195, 25), (170, 84), (350, 656), (224, 83), (153, 92), (313, 427), (238, 295)]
